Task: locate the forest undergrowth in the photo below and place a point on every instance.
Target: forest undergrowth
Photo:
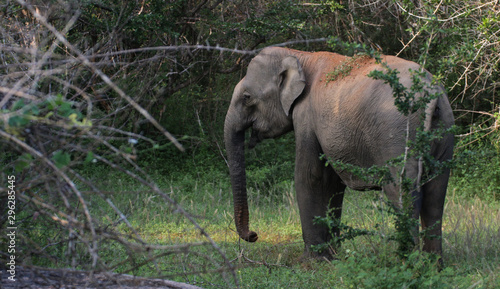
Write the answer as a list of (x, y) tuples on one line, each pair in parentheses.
[(470, 234), (112, 159)]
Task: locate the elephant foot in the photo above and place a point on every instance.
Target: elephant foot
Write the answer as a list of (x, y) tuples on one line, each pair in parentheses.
[(326, 255)]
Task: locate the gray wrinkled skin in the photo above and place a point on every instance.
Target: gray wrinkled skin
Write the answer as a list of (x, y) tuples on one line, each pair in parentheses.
[(350, 117)]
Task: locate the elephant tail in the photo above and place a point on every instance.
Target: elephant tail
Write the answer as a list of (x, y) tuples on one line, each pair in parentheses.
[(432, 116), (431, 113)]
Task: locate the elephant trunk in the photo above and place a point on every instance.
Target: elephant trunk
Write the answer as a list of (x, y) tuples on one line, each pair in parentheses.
[(234, 137)]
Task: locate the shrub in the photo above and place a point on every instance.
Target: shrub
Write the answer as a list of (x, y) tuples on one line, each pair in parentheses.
[(418, 270)]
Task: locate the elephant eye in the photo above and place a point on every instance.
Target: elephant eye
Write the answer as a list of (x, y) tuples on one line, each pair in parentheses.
[(246, 98)]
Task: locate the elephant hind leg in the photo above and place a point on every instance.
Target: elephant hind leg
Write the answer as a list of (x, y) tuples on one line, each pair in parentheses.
[(431, 215), (399, 198), (396, 195), (428, 204)]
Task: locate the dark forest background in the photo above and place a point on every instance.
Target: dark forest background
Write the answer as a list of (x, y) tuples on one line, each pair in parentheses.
[(141, 88)]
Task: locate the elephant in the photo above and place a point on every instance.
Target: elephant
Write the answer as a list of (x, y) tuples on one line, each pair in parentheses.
[(336, 110)]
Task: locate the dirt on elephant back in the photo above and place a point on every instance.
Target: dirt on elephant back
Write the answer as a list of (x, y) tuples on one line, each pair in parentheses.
[(44, 278)]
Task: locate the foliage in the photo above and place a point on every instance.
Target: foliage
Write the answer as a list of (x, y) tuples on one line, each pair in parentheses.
[(346, 233), (344, 69), (476, 172), (418, 270), (87, 87), (377, 175), (405, 99), (69, 111)]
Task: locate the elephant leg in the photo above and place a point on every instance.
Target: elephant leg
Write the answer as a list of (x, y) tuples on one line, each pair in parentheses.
[(397, 197), (431, 215), (320, 192), (393, 190)]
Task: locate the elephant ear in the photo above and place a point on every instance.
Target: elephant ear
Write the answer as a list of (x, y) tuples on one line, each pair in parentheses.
[(292, 82)]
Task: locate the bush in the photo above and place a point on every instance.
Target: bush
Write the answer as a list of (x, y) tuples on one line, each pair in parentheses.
[(477, 169), (418, 270)]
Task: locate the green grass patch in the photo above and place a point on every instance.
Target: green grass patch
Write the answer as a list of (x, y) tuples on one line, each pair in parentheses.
[(470, 234)]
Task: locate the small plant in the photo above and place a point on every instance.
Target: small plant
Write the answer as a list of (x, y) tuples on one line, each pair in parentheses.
[(345, 68), (405, 226), (418, 270), (346, 233)]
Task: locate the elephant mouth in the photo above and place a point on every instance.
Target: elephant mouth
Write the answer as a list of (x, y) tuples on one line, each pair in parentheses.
[(255, 138)]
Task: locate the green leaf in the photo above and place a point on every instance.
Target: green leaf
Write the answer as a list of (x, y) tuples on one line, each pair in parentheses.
[(59, 99), (61, 159), (50, 104), (35, 110), (65, 109), (18, 121), (23, 162), (18, 104), (89, 158)]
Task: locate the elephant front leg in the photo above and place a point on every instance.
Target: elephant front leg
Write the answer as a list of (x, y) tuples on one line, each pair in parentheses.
[(319, 193)]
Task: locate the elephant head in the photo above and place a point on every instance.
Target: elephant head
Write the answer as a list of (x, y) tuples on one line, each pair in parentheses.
[(262, 100)]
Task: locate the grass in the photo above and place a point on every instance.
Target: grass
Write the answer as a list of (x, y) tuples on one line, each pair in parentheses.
[(470, 238)]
